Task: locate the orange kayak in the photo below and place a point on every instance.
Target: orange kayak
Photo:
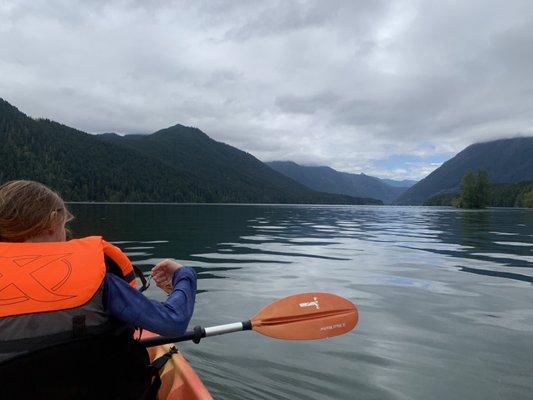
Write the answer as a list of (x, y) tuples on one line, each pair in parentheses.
[(178, 379)]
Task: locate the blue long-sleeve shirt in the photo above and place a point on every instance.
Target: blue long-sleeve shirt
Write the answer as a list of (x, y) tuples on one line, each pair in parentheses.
[(132, 307)]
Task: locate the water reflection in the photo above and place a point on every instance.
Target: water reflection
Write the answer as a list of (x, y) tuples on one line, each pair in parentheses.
[(444, 294), (499, 274)]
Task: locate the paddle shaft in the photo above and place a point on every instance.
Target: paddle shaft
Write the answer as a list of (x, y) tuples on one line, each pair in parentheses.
[(198, 333)]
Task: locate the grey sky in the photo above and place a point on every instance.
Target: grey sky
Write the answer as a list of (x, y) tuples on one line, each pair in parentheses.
[(389, 88)]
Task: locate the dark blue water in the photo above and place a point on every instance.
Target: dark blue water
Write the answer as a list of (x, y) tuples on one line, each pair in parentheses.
[(445, 296)]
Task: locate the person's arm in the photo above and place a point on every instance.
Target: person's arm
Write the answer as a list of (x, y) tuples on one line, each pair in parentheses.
[(169, 318)]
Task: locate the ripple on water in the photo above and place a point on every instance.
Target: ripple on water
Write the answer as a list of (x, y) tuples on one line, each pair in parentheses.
[(269, 227), (515, 244), (527, 259), (444, 296), (517, 320), (136, 253)]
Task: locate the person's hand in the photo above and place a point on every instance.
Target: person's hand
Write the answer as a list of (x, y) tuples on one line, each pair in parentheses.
[(163, 273)]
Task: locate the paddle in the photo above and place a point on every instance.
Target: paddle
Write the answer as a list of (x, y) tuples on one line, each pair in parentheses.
[(304, 316)]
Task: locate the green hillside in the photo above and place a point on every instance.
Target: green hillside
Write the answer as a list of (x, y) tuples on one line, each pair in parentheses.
[(501, 195), (229, 174), (80, 166), (177, 164), (505, 160)]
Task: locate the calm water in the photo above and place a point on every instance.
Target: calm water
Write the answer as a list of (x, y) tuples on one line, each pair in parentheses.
[(445, 296)]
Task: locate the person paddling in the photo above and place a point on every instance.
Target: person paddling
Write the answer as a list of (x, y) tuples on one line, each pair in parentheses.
[(68, 309)]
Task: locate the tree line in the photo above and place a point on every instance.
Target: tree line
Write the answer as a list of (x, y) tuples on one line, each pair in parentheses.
[(84, 167), (476, 192)]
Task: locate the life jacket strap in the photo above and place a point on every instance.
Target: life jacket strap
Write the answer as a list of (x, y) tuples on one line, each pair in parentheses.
[(153, 370), (160, 362), (140, 275), (114, 268)]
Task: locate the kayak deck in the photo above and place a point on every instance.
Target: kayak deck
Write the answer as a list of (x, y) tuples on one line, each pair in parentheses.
[(178, 380)]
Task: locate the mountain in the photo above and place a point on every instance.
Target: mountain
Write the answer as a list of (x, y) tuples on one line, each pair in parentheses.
[(406, 183), (178, 164), (326, 179), (505, 160), (228, 172), (81, 166)]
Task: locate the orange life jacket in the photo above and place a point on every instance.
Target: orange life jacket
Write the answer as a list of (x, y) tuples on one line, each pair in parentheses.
[(57, 340), (53, 276)]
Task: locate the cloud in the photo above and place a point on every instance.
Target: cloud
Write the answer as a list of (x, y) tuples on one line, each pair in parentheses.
[(342, 83)]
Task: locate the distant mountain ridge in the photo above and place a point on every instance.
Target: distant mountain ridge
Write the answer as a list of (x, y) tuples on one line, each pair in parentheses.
[(177, 164), (328, 180), (505, 160), (227, 172), (405, 183)]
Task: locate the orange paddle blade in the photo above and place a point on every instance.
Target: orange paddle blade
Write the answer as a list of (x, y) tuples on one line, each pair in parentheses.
[(306, 316)]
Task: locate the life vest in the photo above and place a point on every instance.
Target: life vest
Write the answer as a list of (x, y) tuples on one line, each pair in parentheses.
[(52, 292)]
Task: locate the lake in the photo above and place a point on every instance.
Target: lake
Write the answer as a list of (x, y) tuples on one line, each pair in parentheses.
[(445, 296)]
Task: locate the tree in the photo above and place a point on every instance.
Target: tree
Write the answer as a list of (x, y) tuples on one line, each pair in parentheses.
[(527, 199), (475, 190)]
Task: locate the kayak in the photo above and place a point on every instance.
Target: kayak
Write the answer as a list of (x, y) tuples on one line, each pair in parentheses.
[(179, 381), (303, 316)]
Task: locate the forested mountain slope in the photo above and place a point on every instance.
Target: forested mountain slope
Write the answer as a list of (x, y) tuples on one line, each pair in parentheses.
[(505, 160), (177, 164)]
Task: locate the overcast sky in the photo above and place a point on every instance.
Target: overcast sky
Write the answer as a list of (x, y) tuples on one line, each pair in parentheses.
[(389, 88)]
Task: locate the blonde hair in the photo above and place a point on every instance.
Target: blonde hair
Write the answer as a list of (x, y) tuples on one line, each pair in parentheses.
[(27, 209)]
